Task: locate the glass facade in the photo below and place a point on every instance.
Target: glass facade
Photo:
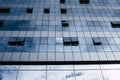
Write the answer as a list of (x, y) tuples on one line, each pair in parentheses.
[(56, 31), (60, 72), (65, 30)]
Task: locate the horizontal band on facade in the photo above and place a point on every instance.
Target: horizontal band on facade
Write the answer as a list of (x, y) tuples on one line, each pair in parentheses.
[(58, 62)]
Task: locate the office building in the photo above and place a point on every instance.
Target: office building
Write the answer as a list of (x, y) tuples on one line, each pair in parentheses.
[(59, 39)]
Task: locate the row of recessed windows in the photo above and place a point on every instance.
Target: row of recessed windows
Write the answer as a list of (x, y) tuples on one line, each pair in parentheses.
[(64, 23), (73, 41), (67, 41), (30, 10), (46, 10)]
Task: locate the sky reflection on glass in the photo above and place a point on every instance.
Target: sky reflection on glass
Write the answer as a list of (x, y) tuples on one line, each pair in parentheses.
[(60, 72)]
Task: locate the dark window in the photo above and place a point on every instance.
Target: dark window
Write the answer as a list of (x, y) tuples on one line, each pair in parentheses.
[(16, 43), (4, 10), (84, 1), (64, 23), (1, 22), (62, 1), (29, 10), (63, 11), (68, 41), (96, 41), (46, 10), (74, 41), (115, 24)]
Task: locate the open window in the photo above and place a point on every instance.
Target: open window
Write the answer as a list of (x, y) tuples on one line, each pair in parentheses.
[(74, 41), (67, 41), (64, 23), (4, 10), (1, 22), (46, 11), (29, 10), (96, 41), (84, 1), (62, 1), (70, 41), (16, 43), (63, 11), (115, 24)]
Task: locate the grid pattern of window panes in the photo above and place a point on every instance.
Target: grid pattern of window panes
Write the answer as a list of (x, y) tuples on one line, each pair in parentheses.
[(40, 24)]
